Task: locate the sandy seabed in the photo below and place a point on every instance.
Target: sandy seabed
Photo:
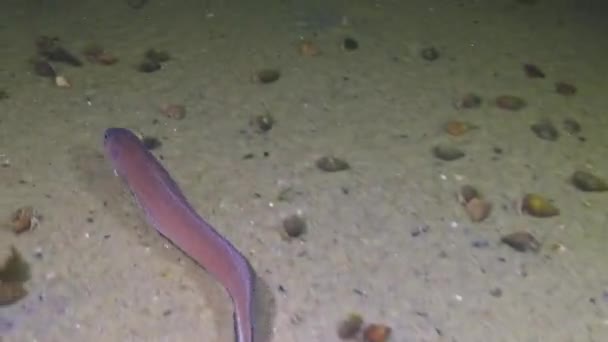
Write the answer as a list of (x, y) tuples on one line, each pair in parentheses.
[(99, 273)]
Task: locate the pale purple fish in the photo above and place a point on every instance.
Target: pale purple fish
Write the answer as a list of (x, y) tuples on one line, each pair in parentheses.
[(167, 209)]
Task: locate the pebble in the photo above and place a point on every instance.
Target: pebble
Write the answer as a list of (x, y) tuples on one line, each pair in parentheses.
[(447, 152), (331, 164), (544, 129)]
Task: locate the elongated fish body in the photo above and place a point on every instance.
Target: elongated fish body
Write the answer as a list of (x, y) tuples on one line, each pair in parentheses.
[(167, 209)]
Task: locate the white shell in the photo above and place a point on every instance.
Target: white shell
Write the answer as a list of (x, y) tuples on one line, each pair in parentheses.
[(62, 82)]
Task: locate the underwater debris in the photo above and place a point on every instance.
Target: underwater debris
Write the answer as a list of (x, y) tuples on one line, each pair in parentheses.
[(332, 164), (24, 219), (173, 111), (350, 326), (153, 60), (51, 49), (96, 54), (263, 122), (468, 101), (586, 181), (564, 88), (538, 206), (521, 241), (510, 102), (532, 71)]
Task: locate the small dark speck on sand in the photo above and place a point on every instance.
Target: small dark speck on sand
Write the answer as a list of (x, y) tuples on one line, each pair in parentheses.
[(480, 243), (419, 230), (496, 292)]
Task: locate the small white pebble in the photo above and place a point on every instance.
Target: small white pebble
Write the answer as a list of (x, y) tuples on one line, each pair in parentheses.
[(271, 204), (86, 235), (458, 297), (443, 177), (454, 224)]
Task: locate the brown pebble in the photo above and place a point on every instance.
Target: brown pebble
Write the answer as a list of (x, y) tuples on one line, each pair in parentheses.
[(308, 48), (173, 111), (521, 241), (510, 102), (376, 333), (457, 128), (332, 164), (586, 181), (532, 71), (350, 327), (564, 88), (106, 59), (478, 209), (545, 129), (23, 220), (294, 226)]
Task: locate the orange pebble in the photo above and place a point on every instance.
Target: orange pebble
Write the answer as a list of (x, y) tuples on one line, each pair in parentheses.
[(308, 48), (456, 128), (377, 333)]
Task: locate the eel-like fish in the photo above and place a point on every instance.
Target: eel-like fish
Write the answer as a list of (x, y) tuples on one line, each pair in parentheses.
[(167, 209)]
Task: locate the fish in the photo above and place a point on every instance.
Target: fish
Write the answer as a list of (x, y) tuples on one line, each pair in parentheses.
[(167, 209)]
